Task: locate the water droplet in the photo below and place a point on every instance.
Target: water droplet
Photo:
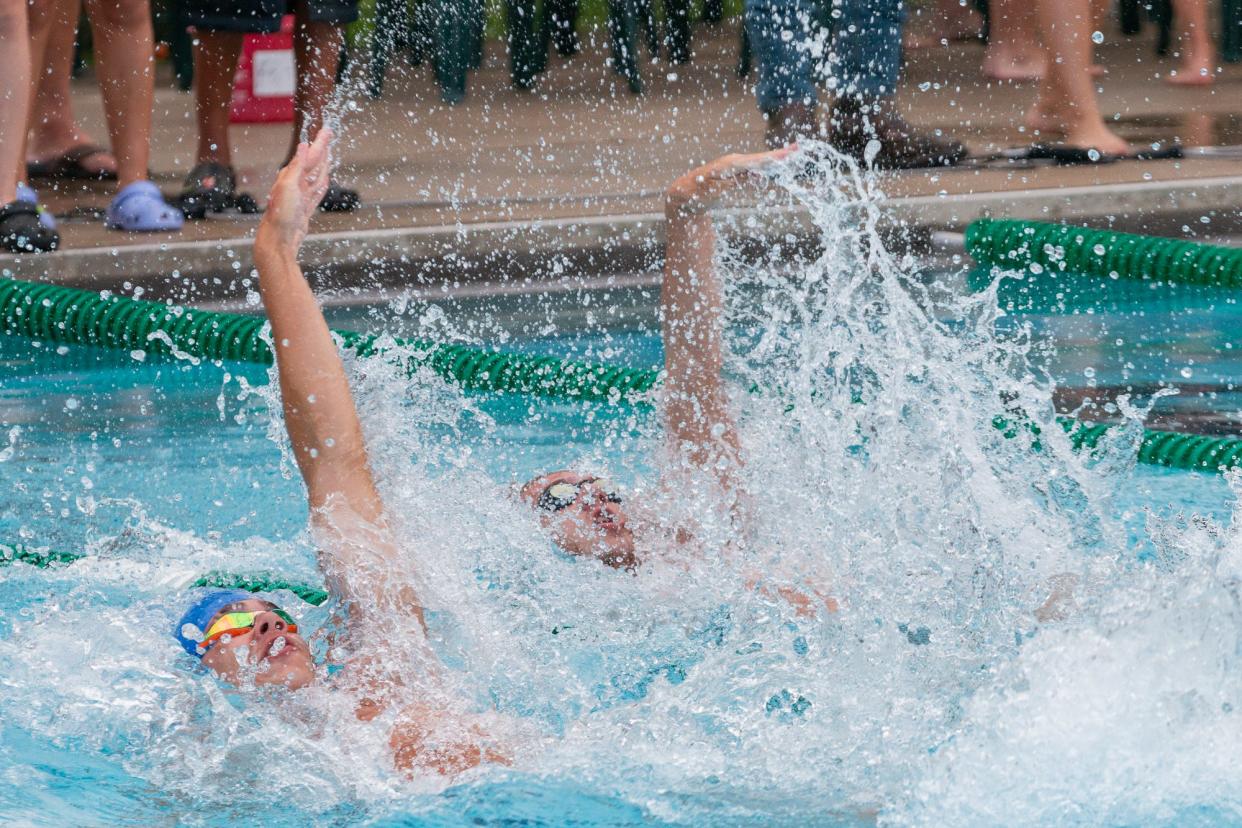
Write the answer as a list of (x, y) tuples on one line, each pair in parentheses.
[(1097, 37)]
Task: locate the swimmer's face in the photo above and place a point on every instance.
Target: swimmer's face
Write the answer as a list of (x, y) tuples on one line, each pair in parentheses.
[(590, 520), (279, 657)]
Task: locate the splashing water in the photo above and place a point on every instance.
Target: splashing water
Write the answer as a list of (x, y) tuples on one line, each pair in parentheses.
[(1006, 649)]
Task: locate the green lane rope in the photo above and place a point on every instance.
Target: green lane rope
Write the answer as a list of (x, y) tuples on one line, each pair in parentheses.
[(77, 317), (255, 582), (67, 315), (1016, 244)]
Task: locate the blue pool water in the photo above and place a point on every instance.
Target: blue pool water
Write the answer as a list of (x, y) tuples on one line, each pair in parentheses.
[(683, 696)]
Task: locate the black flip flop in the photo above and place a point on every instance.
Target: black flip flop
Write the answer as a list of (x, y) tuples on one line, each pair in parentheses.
[(1062, 154), (21, 231), (69, 165)]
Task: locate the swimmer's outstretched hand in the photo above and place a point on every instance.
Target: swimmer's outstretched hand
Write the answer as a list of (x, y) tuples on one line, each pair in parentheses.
[(296, 194), (698, 190)]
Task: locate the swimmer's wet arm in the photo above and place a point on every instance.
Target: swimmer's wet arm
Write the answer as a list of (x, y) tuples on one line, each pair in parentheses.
[(697, 416), (318, 406)]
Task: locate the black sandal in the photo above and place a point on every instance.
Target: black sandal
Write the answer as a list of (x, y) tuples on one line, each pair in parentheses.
[(69, 165), (339, 199), (21, 232), (210, 187)]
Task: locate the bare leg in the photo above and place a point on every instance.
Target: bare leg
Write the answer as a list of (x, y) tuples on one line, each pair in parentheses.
[(126, 64), (948, 21), (1198, 54), (1013, 51), (215, 63), (317, 47), (40, 19), (1067, 87), (53, 129), (14, 93)]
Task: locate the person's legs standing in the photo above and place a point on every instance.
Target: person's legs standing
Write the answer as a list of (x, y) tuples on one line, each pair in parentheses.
[(783, 38), (20, 230), (219, 27), (54, 132), (317, 49), (1068, 88), (318, 38), (866, 63), (1013, 51), (125, 50), (125, 59), (14, 93), (215, 64), (1198, 54)]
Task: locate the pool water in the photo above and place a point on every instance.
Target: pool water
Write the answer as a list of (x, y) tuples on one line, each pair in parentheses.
[(683, 696)]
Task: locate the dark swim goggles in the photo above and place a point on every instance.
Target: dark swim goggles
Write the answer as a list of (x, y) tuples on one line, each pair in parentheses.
[(239, 623), (561, 495)]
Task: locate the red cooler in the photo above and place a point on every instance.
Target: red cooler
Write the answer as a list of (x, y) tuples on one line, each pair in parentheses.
[(264, 83)]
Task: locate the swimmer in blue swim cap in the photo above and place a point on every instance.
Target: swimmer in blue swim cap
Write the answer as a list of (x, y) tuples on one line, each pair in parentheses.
[(224, 627), (245, 639)]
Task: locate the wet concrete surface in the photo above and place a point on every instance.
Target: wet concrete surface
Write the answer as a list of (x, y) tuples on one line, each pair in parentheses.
[(582, 147)]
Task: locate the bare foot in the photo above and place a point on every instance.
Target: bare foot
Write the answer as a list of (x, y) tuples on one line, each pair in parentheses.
[(97, 163), (1041, 121), (1194, 72), (1099, 137), (1013, 67)]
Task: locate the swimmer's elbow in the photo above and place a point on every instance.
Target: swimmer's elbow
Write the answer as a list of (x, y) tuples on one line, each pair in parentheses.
[(418, 747)]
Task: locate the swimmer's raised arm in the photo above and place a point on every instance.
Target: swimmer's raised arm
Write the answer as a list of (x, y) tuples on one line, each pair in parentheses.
[(698, 420), (318, 406)]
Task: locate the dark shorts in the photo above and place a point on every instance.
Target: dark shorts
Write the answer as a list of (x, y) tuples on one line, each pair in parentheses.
[(262, 15)]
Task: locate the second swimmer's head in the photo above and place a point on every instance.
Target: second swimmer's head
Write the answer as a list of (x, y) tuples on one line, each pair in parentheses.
[(584, 514)]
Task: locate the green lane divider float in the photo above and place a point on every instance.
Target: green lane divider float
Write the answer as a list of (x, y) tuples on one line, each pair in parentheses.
[(78, 317), (258, 582), (1016, 244), (67, 315)]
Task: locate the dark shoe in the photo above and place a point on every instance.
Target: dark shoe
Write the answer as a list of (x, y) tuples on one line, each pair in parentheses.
[(338, 199), (71, 164), (788, 124), (21, 232), (855, 122), (210, 187)]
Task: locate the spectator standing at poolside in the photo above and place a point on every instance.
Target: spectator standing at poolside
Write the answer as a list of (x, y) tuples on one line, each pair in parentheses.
[(790, 42), (125, 61), (219, 26), (1067, 102), (1198, 54), (57, 147), (20, 228)]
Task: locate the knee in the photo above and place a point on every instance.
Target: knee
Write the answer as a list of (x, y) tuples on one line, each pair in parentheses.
[(12, 19), (122, 15)]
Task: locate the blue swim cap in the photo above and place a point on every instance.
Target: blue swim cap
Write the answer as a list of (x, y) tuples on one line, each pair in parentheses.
[(199, 614)]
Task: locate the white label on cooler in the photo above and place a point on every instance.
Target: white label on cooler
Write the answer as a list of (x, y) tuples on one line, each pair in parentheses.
[(274, 75)]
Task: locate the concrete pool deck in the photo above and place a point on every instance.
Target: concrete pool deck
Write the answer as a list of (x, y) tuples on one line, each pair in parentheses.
[(573, 172)]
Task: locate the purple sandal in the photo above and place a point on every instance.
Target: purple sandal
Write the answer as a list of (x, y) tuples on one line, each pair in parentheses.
[(27, 194), (140, 208)]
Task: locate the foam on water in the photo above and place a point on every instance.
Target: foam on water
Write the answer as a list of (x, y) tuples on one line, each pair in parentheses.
[(874, 473)]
